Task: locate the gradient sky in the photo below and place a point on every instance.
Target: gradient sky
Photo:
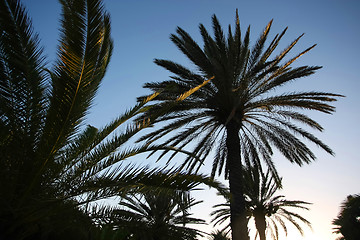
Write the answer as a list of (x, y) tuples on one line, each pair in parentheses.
[(141, 30)]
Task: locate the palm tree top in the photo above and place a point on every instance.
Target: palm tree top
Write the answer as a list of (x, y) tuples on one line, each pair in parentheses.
[(157, 215), (241, 95), (262, 204)]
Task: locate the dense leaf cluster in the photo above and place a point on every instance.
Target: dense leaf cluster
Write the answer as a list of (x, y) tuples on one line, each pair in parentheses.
[(348, 222), (53, 168)]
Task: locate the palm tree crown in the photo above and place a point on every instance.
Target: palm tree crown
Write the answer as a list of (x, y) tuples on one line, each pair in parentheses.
[(267, 209), (240, 93), (155, 215), (238, 114), (218, 235)]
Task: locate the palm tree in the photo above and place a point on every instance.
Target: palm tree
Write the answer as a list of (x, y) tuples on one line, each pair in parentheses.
[(52, 166), (348, 221), (267, 210), (155, 215), (42, 111), (238, 113), (219, 235)]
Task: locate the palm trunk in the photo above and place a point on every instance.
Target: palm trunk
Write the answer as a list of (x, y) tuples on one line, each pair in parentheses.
[(237, 204), (260, 224)]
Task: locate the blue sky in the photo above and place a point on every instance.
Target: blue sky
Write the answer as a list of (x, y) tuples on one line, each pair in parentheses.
[(141, 30)]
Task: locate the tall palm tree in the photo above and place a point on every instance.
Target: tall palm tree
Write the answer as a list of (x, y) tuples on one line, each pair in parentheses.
[(238, 113), (348, 221), (267, 209), (154, 216), (52, 166)]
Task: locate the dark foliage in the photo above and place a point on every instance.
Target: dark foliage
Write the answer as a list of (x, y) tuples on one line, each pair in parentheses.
[(238, 115), (268, 210), (348, 221), (52, 166)]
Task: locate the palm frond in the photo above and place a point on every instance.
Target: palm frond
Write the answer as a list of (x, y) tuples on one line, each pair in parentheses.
[(84, 52), (22, 84)]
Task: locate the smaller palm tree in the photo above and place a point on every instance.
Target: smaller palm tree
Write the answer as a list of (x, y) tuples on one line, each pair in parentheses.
[(219, 235), (155, 215), (348, 221), (267, 210)]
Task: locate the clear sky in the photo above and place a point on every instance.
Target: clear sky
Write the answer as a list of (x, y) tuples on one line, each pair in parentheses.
[(141, 30)]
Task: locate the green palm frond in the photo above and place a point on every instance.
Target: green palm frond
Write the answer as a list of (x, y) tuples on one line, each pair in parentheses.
[(22, 75), (84, 52), (22, 89)]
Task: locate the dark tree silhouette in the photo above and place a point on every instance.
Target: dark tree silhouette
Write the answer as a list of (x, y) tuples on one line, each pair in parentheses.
[(155, 216), (238, 114), (267, 209), (51, 165), (348, 221), (219, 235)]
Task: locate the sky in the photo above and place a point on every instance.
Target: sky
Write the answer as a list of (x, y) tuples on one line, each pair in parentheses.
[(141, 31)]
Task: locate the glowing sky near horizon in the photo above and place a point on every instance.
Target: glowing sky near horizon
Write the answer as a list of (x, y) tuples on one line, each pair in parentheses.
[(141, 30)]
